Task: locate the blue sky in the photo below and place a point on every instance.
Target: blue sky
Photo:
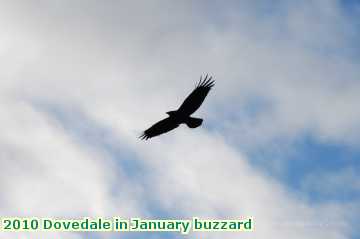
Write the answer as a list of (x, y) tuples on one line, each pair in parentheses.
[(280, 138), (307, 157)]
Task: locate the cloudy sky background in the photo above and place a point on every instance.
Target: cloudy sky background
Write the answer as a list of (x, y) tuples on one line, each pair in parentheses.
[(80, 80)]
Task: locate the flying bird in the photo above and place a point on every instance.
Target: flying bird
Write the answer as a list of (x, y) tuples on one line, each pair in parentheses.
[(182, 115)]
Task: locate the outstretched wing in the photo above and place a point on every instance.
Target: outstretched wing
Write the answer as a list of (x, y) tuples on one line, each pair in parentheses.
[(196, 98), (160, 127)]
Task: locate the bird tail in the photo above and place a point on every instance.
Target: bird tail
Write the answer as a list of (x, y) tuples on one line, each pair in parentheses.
[(193, 122)]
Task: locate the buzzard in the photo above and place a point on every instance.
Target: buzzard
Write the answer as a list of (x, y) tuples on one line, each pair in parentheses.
[(182, 115)]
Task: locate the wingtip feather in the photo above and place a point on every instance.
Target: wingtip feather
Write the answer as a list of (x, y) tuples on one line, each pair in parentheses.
[(207, 82), (144, 137), (198, 84)]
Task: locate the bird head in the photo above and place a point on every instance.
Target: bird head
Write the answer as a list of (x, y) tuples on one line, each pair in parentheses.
[(171, 113)]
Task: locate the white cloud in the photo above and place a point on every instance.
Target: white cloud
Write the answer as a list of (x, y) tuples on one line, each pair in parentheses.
[(110, 59)]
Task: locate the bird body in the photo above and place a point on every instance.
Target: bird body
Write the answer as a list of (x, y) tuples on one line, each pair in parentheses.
[(182, 115)]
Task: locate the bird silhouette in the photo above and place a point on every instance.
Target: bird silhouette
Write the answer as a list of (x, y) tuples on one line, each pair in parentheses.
[(182, 115)]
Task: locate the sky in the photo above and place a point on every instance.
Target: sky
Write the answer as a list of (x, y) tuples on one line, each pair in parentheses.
[(80, 81)]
